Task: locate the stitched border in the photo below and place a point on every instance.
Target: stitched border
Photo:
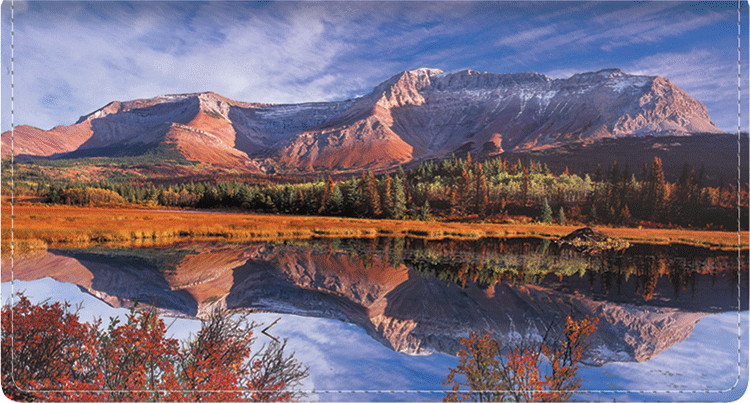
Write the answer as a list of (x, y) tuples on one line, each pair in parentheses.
[(739, 236)]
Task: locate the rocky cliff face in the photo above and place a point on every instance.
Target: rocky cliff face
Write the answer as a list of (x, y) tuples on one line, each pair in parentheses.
[(418, 114)]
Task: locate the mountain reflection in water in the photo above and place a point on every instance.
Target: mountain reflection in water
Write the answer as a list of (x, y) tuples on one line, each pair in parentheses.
[(418, 296)]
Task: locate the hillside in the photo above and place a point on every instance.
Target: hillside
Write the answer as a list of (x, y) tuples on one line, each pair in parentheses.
[(416, 115)]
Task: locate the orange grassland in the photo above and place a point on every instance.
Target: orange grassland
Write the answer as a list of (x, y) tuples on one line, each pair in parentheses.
[(38, 226)]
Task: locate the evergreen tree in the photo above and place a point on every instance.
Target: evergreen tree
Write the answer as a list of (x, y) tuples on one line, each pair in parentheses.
[(560, 197), (656, 190), (336, 201), (425, 213), (545, 169), (353, 204), (614, 188), (413, 213), (400, 172), (695, 186), (625, 185), (399, 197), (546, 212)]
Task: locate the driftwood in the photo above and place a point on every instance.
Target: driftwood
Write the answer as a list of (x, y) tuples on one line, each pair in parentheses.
[(592, 241)]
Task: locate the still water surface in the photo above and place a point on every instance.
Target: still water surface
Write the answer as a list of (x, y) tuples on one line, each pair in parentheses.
[(386, 314)]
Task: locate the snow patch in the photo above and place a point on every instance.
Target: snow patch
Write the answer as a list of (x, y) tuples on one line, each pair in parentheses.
[(626, 83)]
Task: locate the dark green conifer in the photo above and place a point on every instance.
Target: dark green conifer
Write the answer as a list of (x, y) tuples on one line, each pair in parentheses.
[(399, 198), (546, 212)]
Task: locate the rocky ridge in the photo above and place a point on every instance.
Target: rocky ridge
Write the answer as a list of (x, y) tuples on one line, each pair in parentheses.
[(417, 114)]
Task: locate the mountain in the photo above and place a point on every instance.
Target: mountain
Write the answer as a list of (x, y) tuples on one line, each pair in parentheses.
[(415, 115)]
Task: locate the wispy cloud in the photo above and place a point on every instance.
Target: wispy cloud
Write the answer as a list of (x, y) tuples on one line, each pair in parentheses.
[(74, 57), (579, 31), (281, 53), (628, 28), (524, 37)]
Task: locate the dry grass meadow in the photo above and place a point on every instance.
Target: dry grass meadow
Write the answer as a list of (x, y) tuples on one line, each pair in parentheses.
[(37, 226)]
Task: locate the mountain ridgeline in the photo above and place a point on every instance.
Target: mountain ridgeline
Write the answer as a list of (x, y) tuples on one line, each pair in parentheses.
[(416, 115)]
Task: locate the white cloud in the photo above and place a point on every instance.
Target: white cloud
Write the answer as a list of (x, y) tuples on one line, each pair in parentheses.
[(522, 38), (73, 58), (250, 57)]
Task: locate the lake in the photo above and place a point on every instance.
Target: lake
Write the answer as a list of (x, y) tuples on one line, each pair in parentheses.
[(386, 314)]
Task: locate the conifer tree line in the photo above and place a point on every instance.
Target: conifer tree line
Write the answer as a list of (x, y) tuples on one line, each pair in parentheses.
[(453, 189)]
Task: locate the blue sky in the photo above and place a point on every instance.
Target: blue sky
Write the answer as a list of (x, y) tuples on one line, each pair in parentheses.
[(71, 58)]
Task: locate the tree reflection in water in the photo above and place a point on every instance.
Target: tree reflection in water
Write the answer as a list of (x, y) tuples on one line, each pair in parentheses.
[(533, 261), (417, 295)]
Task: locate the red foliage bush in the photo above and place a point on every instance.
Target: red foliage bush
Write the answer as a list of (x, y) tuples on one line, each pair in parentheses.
[(48, 354), (543, 372)]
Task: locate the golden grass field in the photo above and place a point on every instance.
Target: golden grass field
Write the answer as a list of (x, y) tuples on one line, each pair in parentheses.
[(38, 226)]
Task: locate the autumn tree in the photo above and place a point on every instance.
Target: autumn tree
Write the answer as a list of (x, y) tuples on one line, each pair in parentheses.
[(46, 347), (327, 192), (546, 371), (456, 208), (561, 216), (48, 354), (386, 197), (525, 186), (136, 358), (265, 376), (371, 196), (462, 194), (625, 215), (481, 195)]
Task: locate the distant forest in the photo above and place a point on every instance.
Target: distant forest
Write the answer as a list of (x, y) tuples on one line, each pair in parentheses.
[(456, 189)]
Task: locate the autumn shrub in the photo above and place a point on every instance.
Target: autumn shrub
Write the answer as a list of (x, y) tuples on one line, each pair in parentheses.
[(48, 354), (545, 371), (88, 196), (46, 347)]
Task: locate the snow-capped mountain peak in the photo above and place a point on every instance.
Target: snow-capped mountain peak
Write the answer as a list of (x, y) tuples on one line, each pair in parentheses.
[(416, 114)]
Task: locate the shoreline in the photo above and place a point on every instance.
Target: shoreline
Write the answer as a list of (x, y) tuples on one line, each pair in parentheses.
[(39, 226)]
